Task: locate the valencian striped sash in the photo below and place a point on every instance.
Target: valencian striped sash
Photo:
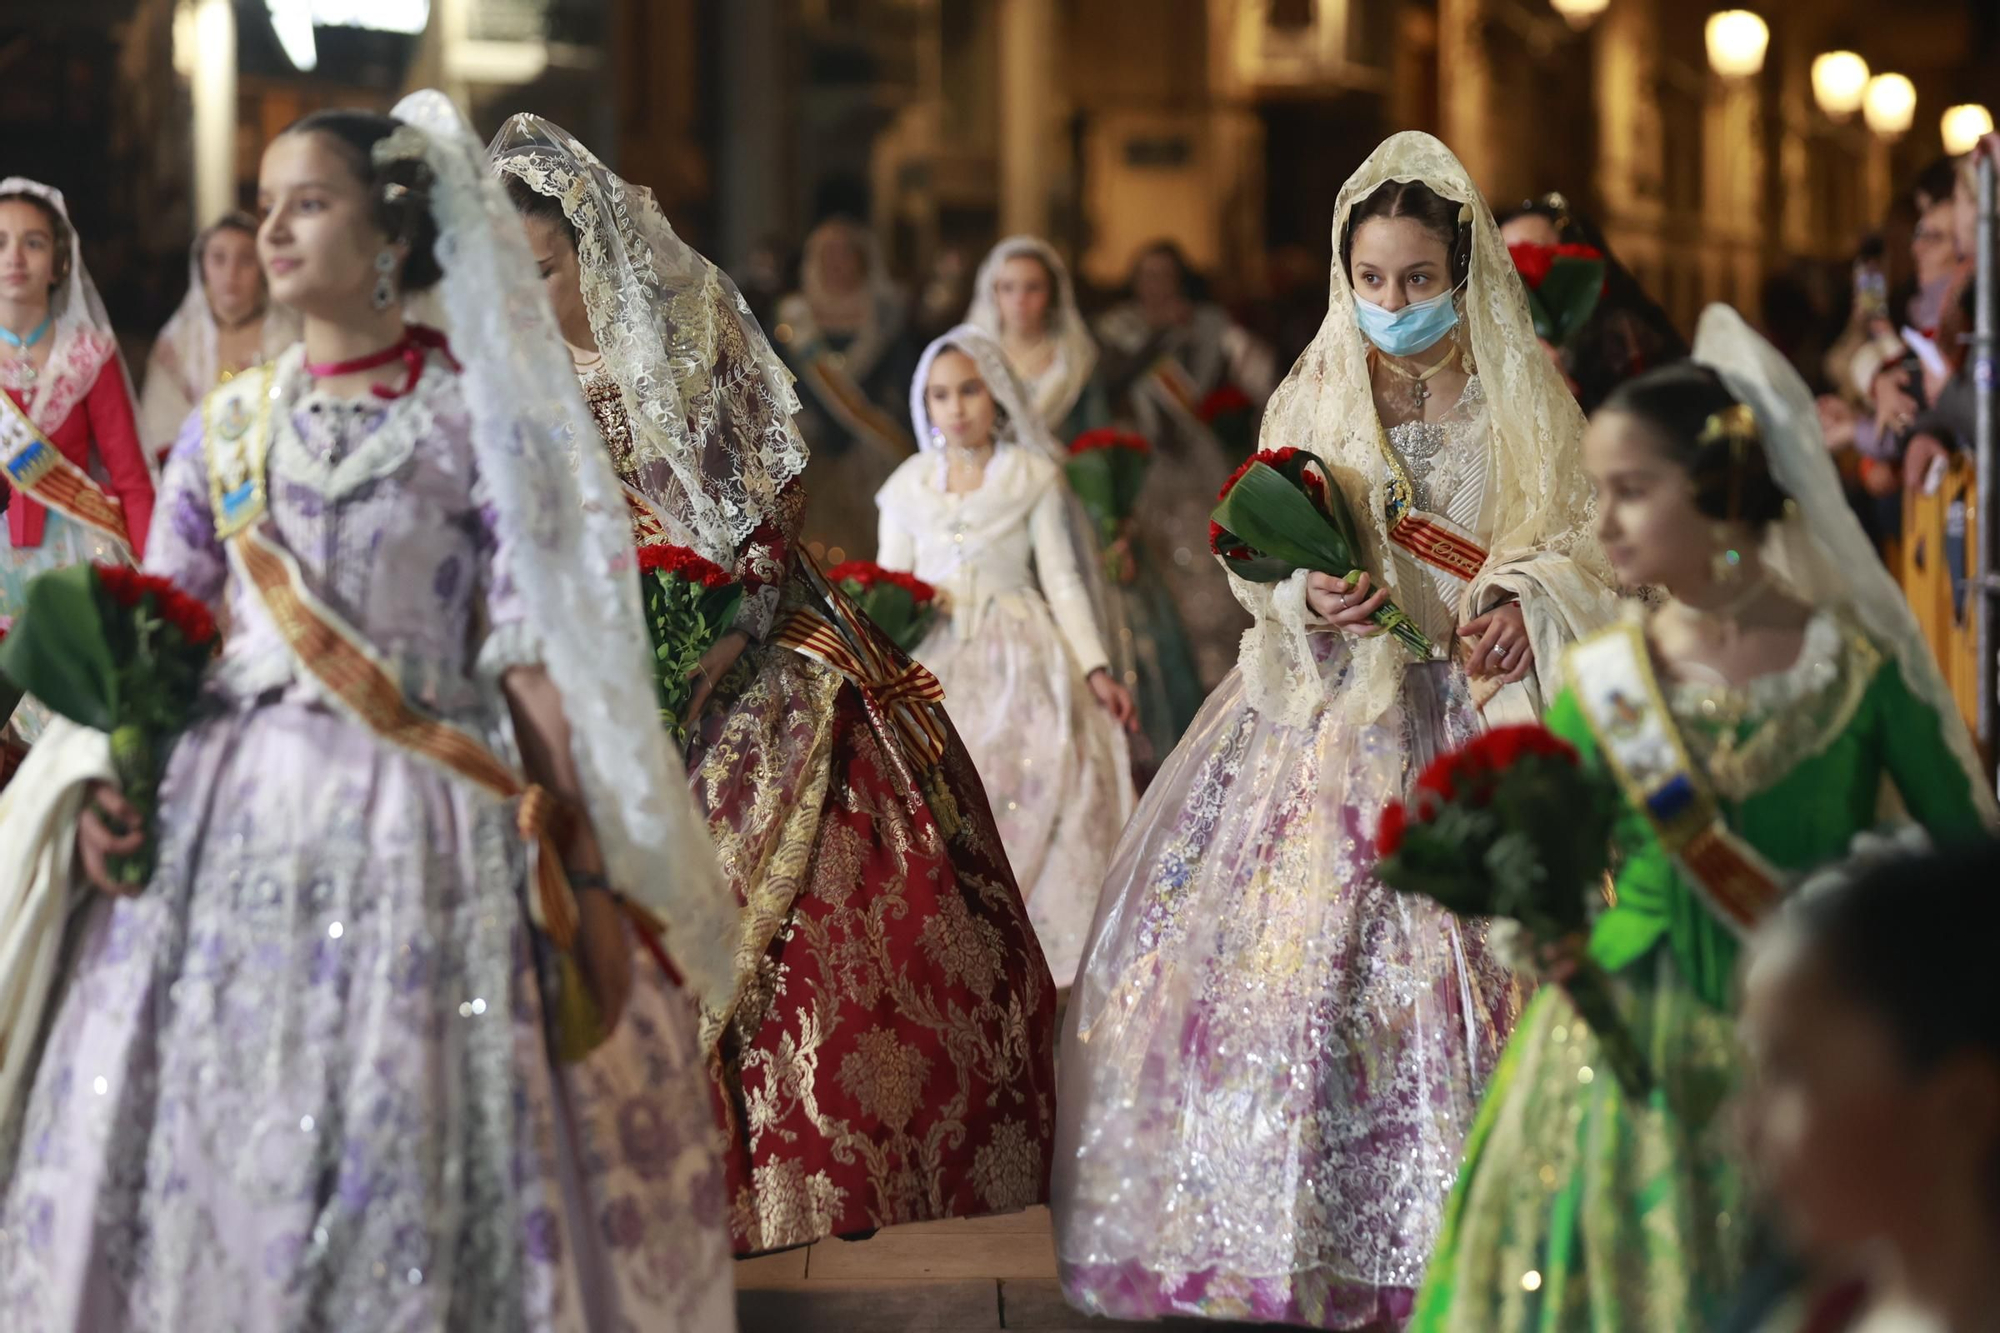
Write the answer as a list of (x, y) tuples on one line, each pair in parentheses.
[(1438, 544), (906, 695), (1612, 675), (37, 468)]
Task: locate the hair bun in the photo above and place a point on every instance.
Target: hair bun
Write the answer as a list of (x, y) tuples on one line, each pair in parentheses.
[(1732, 475)]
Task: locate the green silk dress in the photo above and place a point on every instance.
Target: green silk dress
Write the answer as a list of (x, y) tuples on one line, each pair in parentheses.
[(1576, 1209)]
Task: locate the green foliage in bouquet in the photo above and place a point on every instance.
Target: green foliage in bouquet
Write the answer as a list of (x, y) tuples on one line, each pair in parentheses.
[(120, 652), (1278, 515), (690, 603), (1513, 827), (903, 606)]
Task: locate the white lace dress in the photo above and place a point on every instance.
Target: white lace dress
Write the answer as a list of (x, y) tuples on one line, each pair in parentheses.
[(1272, 1060), (1012, 655)]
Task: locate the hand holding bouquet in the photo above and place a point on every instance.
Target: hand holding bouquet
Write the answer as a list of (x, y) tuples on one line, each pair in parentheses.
[(1513, 827), (1278, 515), (120, 652), (690, 602), (902, 606)]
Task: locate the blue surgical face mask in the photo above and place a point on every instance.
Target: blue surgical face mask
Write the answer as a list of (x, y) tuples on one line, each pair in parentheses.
[(1410, 330)]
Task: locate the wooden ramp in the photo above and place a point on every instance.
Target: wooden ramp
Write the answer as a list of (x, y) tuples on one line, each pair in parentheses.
[(934, 1277)]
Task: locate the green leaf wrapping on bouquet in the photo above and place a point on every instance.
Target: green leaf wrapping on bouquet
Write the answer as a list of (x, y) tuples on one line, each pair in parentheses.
[(1107, 481), (1566, 299), (895, 612), (686, 618), (1275, 529), (65, 659)]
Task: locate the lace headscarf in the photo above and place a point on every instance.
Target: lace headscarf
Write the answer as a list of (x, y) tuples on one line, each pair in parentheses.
[(186, 349), (1019, 426), (1819, 550), (82, 339), (1056, 392), (563, 514), (705, 393), (1539, 498)]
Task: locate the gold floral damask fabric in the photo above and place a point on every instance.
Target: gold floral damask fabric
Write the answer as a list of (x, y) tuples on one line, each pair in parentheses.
[(889, 1055)]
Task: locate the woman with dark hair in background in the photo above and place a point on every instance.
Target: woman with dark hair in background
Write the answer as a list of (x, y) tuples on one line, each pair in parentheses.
[(1171, 358), (845, 335), (1627, 334), (356, 1056), (225, 324)]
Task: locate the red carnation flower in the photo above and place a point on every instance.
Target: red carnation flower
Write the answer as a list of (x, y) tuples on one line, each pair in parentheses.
[(1224, 400), (664, 558), (863, 572), (1572, 250), (187, 615), (1533, 261), (1389, 837), (1109, 437)]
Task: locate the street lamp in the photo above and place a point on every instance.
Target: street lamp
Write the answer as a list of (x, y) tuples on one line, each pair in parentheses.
[(1579, 13), (1737, 40), (1963, 126), (1889, 105), (1839, 80)]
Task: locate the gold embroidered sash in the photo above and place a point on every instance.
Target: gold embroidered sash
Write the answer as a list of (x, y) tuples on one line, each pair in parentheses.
[(39, 469), (1438, 544), (1612, 675)]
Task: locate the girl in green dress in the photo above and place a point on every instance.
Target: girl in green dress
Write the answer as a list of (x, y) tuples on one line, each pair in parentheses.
[(1753, 722)]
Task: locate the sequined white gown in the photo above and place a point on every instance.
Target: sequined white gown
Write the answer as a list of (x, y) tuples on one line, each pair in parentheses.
[(1012, 656), (1272, 1060)]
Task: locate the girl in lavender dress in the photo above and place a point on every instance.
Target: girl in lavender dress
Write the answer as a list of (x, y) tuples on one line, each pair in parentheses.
[(303, 1079), (1272, 1060)]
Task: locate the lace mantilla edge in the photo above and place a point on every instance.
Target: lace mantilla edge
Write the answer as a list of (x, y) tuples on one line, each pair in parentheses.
[(1281, 676), (1800, 711)]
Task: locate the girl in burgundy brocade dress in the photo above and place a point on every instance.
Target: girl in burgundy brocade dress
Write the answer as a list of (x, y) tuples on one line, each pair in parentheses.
[(888, 1054)]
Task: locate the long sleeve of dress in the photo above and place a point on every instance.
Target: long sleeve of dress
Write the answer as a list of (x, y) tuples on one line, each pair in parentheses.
[(116, 437), (895, 545), (1062, 584), (764, 560), (1934, 788), (185, 548)]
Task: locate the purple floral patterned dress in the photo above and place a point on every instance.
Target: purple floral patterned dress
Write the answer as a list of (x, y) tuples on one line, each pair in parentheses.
[(301, 1082)]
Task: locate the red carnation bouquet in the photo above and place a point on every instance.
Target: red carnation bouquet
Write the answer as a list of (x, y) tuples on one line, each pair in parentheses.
[(1106, 468), (690, 603), (1278, 515), (122, 653), (1564, 282), (902, 605), (1229, 413), (1513, 826)]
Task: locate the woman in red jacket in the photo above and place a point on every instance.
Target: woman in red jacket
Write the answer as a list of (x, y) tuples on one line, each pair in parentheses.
[(69, 449)]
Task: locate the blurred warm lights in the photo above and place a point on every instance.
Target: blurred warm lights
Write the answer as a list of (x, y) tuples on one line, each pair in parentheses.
[(1839, 82), (1889, 105), (1964, 126), (1579, 13), (1737, 40)]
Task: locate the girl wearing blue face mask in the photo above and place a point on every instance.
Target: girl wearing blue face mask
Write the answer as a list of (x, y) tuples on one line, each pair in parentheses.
[(1271, 1060)]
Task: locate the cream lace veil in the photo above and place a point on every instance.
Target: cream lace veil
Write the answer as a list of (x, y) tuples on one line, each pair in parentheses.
[(1076, 350), (705, 393), (564, 517), (1819, 549), (1539, 499)]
